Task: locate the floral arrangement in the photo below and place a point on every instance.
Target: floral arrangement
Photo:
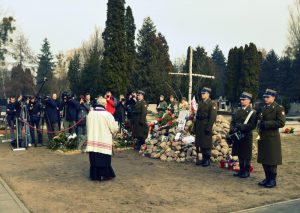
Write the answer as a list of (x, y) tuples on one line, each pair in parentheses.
[(64, 141), (289, 130)]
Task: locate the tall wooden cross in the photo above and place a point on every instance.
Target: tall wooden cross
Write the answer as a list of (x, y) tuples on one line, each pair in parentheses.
[(191, 74)]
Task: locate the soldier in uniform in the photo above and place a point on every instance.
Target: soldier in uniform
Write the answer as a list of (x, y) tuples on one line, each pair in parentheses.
[(243, 148), (205, 118), (271, 118), (140, 128)]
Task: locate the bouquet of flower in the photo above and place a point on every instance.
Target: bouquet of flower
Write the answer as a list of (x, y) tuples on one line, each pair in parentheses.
[(289, 130), (64, 141)]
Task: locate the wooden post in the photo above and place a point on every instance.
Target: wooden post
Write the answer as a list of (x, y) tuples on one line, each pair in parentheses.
[(190, 77)]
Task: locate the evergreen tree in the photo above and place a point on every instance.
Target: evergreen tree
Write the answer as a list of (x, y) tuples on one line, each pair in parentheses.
[(153, 62), (115, 73), (234, 65), (74, 74), (269, 77), (130, 46), (21, 82), (45, 67), (89, 80), (286, 76), (219, 71), (251, 66)]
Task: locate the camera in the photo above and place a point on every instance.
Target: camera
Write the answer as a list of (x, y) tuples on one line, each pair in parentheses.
[(65, 96), (234, 137)]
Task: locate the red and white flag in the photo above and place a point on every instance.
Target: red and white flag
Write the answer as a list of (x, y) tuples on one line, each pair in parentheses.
[(194, 105)]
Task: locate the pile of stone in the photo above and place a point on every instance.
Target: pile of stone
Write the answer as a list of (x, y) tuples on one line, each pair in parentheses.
[(167, 145)]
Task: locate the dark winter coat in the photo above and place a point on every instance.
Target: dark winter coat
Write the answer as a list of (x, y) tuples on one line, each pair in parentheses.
[(243, 148), (269, 146), (205, 119), (51, 109), (140, 127), (34, 111), (11, 112), (72, 107), (120, 112), (130, 107)]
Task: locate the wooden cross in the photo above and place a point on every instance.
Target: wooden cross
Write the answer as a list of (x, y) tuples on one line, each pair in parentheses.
[(191, 74)]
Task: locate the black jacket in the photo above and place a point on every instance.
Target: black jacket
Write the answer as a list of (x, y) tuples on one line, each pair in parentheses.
[(71, 110), (120, 112), (34, 110), (51, 111)]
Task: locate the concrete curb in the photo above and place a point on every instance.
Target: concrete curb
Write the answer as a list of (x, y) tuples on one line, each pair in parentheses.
[(266, 206), (13, 195)]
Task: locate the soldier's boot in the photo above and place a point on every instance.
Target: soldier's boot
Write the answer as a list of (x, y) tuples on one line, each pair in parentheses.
[(206, 161), (238, 174), (246, 172), (198, 161), (266, 180), (272, 180)]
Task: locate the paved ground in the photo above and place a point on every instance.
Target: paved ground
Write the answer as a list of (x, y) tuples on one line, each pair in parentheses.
[(9, 203), (291, 206)]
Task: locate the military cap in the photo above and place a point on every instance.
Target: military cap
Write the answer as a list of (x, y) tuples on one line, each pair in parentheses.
[(205, 90), (246, 95), (140, 92), (270, 92)]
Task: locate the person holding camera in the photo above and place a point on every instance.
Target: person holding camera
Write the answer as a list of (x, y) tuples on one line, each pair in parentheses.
[(243, 121), (70, 108), (35, 110), (110, 106), (87, 101), (121, 111), (205, 118), (51, 115), (83, 110), (130, 103), (140, 128), (271, 118)]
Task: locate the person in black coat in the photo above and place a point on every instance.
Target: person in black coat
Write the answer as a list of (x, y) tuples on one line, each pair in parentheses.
[(51, 111), (71, 112), (35, 110), (121, 111), (11, 116), (82, 112), (130, 104)]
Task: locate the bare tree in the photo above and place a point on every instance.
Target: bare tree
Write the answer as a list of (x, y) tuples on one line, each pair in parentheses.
[(294, 25), (94, 44), (21, 51)]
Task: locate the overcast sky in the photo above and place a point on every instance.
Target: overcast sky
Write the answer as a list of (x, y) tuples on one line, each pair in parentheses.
[(229, 23)]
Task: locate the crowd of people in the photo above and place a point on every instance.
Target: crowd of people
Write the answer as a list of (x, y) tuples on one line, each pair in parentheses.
[(100, 118)]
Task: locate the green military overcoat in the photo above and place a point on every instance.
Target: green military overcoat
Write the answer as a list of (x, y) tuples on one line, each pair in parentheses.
[(269, 145), (140, 127), (243, 148), (205, 119)]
